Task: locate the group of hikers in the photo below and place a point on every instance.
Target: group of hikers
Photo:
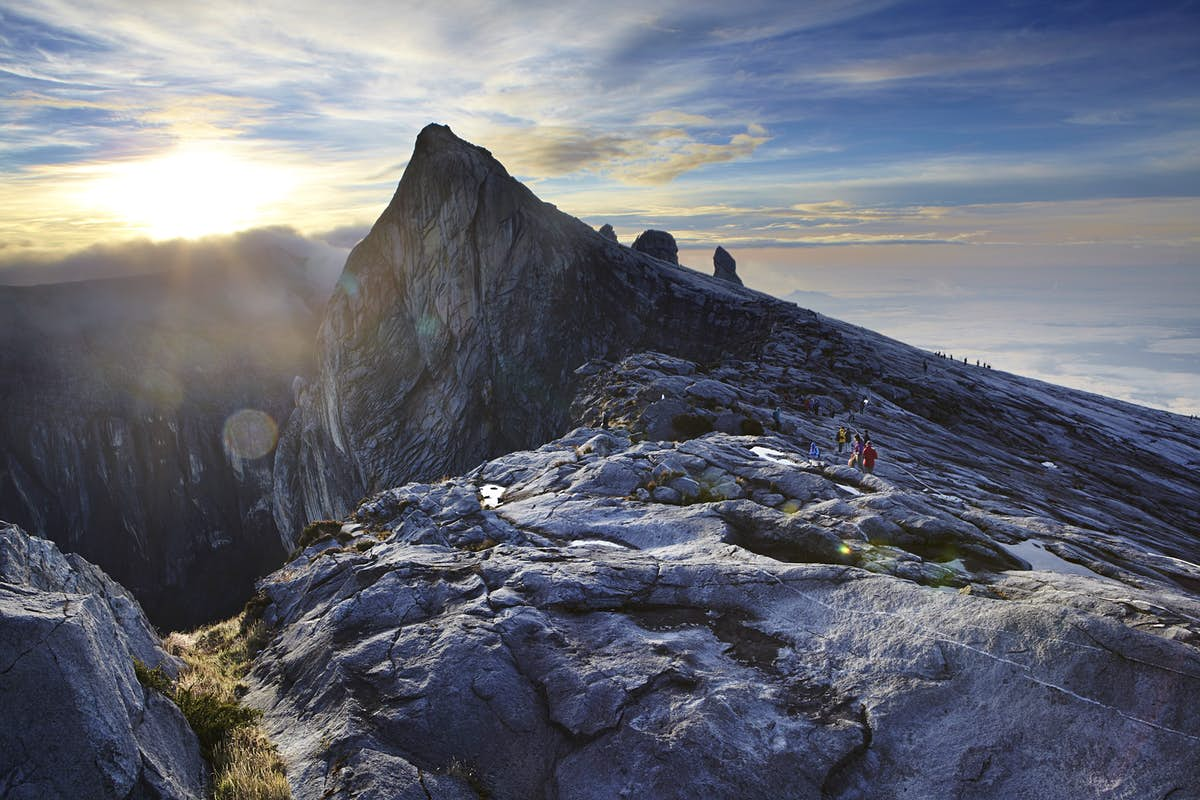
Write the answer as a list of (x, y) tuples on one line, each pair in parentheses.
[(940, 354), (862, 452)]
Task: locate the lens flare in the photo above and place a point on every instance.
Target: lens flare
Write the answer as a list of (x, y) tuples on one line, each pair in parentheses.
[(250, 433)]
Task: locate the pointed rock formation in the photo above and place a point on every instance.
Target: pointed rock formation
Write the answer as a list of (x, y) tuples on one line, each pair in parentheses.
[(607, 232), (458, 322), (659, 244), (724, 267)]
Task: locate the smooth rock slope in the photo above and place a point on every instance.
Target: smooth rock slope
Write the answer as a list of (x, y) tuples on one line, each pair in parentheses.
[(74, 720)]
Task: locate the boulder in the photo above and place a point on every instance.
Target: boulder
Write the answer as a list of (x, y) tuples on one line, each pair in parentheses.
[(74, 719), (659, 244), (607, 232)]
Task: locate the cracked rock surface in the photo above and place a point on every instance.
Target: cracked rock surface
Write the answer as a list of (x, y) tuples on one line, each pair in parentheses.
[(547, 627), (74, 720)]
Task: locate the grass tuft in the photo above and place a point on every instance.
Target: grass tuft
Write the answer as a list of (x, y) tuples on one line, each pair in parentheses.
[(245, 764)]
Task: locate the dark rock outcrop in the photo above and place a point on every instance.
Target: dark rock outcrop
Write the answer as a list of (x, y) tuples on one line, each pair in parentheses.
[(724, 267), (74, 720), (458, 323), (607, 232), (119, 439), (659, 244)]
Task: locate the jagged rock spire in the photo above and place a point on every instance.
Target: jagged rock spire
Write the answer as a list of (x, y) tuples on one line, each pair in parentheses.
[(607, 232), (724, 267)]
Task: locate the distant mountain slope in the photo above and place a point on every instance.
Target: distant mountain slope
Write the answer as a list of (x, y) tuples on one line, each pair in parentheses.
[(116, 394)]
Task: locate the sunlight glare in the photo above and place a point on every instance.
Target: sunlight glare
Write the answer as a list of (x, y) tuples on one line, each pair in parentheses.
[(195, 190)]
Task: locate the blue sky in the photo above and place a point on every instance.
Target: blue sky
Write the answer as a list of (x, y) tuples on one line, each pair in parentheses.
[(871, 135)]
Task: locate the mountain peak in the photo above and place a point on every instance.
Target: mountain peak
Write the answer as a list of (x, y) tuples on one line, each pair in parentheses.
[(459, 322)]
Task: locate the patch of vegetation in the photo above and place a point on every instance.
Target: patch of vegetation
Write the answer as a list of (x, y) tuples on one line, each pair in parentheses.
[(154, 679), (365, 545), (245, 764), (253, 768), (316, 531)]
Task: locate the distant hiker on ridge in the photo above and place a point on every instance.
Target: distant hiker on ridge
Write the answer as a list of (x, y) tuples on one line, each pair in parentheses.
[(842, 438), (814, 452)]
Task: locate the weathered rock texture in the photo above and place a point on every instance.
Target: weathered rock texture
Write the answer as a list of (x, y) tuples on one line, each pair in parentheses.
[(673, 600), (549, 627), (607, 232), (659, 244), (74, 720), (724, 267), (458, 323), (115, 397)]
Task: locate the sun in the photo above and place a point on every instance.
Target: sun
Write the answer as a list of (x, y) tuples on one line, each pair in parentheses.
[(194, 190)]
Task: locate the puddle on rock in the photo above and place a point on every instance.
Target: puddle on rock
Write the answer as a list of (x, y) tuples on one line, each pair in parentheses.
[(490, 494), (1034, 551)]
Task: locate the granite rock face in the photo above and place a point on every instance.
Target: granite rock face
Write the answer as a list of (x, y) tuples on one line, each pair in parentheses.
[(607, 232), (724, 267), (116, 397), (674, 599), (74, 720), (546, 627), (659, 244), (457, 326)]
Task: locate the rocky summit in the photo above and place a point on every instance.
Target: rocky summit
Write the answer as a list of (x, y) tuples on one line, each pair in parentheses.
[(686, 590), (571, 520)]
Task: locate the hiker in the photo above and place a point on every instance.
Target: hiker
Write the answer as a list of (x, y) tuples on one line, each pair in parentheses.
[(868, 457), (842, 438), (817, 407), (855, 451), (778, 422), (814, 452)]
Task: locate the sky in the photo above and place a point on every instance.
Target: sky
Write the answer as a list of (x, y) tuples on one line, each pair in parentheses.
[(928, 169)]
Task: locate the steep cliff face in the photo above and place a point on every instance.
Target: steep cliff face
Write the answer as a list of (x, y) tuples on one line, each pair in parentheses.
[(74, 720), (119, 436), (457, 325)]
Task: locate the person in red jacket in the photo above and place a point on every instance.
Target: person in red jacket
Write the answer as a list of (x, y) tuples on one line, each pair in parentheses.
[(868, 457)]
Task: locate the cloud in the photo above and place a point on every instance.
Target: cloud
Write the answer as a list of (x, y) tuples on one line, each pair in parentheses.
[(645, 156), (311, 265)]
